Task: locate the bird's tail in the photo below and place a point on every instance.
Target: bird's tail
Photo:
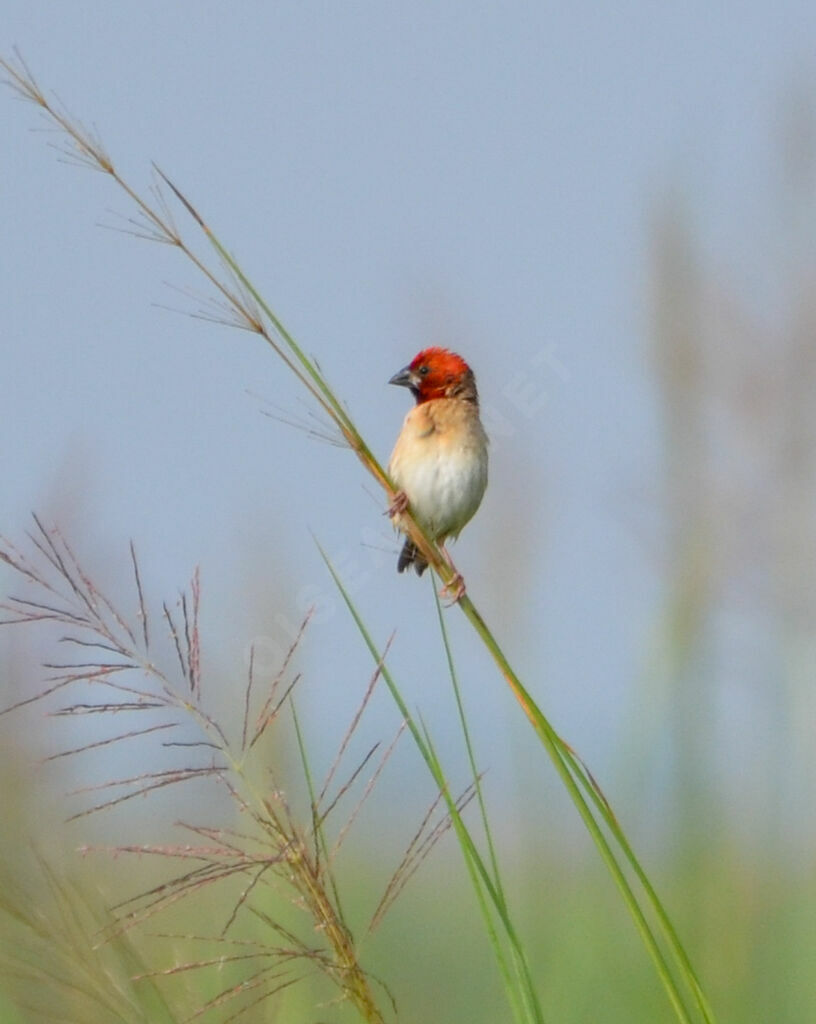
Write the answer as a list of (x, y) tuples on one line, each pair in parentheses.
[(410, 556)]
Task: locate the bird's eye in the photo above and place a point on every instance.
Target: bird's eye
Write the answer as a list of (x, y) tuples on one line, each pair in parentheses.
[(424, 371)]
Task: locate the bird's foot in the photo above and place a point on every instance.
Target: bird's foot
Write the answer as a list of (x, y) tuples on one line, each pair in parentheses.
[(455, 589), (398, 505)]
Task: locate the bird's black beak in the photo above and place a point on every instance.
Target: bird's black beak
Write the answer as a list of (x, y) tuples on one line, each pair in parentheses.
[(404, 378)]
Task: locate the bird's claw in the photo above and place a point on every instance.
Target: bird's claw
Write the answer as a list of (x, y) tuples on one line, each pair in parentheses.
[(455, 589), (398, 505)]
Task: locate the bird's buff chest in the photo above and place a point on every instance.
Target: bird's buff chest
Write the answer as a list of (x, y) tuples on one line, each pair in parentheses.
[(440, 462)]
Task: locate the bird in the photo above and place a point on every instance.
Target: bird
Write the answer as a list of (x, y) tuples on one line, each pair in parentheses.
[(439, 463)]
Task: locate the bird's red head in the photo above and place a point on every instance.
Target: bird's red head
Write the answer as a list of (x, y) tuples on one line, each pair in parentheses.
[(437, 373)]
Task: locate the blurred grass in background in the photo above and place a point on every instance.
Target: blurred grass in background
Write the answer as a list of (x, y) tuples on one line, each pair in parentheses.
[(716, 757)]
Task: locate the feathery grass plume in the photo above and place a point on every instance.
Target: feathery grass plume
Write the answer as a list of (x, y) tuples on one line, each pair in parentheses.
[(124, 669), (241, 305)]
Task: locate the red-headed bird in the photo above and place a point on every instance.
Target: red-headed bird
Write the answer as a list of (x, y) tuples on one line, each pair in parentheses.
[(439, 463)]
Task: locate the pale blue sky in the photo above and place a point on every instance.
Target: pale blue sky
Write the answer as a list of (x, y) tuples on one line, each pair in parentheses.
[(391, 175)]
